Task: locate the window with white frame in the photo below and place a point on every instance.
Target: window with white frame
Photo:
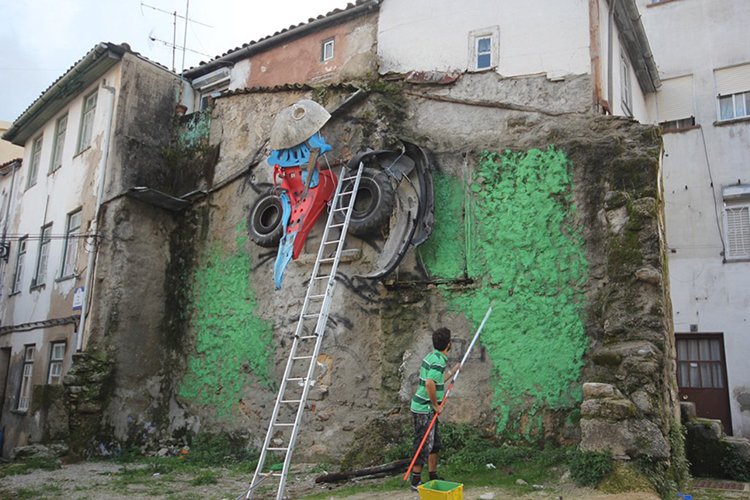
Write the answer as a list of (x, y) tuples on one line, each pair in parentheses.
[(674, 103), (59, 141), (733, 92), (70, 250), (87, 122), (36, 157), (56, 358), (737, 221), (626, 89), (483, 48), (24, 392), (40, 274), (20, 258), (326, 50)]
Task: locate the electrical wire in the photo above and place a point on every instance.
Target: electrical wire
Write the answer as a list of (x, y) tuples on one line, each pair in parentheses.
[(713, 192)]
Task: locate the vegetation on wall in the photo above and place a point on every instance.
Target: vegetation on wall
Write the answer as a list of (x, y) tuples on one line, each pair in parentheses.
[(526, 259), (231, 341)]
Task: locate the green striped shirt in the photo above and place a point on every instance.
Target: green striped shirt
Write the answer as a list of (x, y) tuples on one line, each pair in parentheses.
[(433, 367)]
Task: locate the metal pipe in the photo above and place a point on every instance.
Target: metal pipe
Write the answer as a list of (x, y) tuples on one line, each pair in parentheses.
[(102, 170)]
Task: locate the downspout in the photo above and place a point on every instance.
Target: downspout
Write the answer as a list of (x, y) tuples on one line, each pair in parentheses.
[(92, 239), (10, 199), (610, 50), (595, 50)]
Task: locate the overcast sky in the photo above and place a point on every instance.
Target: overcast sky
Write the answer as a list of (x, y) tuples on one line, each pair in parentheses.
[(41, 39)]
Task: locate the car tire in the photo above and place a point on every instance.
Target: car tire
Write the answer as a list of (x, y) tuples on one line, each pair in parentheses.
[(374, 203), (264, 223)]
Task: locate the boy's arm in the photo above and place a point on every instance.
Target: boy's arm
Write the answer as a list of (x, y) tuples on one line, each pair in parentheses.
[(432, 394)]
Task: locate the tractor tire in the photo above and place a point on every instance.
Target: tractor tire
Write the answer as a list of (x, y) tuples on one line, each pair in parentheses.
[(264, 221), (374, 203)]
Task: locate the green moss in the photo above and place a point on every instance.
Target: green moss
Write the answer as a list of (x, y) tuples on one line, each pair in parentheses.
[(231, 341), (527, 259)]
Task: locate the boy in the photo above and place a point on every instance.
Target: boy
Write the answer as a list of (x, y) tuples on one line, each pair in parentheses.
[(426, 403)]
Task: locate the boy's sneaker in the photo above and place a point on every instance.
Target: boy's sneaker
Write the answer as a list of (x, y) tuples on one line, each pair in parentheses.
[(415, 487)]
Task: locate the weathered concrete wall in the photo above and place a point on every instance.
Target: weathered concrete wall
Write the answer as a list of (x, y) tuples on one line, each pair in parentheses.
[(559, 230)]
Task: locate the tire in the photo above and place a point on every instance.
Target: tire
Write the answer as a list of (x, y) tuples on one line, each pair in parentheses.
[(374, 203), (264, 221)]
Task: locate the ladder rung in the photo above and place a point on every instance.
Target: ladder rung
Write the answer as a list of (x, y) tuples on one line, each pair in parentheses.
[(289, 401), (331, 242), (304, 337), (336, 225), (295, 379), (283, 424), (302, 357), (344, 209), (322, 277), (277, 449), (311, 315), (327, 259), (317, 297), (344, 193), (348, 178)]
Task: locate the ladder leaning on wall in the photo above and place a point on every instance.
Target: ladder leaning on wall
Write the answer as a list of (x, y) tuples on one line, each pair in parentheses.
[(300, 366)]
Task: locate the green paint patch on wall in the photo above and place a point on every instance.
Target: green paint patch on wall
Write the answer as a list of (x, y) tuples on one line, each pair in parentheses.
[(232, 344), (446, 260), (528, 261)]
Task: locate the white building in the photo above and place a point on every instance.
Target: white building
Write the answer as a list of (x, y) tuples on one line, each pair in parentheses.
[(70, 135), (515, 38), (702, 52)]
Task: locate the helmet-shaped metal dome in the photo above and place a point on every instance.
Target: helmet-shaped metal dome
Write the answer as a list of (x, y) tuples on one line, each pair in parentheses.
[(295, 124)]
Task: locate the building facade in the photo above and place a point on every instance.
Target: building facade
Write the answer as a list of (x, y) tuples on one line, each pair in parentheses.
[(704, 110), (70, 136)]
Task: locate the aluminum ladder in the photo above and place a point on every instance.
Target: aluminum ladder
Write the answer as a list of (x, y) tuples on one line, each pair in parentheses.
[(300, 366)]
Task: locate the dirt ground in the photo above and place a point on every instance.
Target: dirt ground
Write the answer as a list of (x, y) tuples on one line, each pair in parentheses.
[(109, 480)]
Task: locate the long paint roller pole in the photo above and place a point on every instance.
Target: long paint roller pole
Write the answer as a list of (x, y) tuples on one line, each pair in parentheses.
[(447, 391)]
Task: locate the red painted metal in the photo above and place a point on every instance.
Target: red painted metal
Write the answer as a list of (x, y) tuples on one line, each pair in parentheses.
[(305, 209)]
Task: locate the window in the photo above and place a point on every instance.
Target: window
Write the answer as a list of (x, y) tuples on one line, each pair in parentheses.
[(734, 106), (733, 91), (483, 48), (626, 90), (737, 221), (70, 251), (24, 393), (674, 103), (56, 357), (40, 275), (484, 52), (87, 122), (20, 256), (699, 363), (326, 50), (36, 156), (57, 145)]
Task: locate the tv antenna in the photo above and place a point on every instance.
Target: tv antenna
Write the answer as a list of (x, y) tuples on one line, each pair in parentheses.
[(173, 44)]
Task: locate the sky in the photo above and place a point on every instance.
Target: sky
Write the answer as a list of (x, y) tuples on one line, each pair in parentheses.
[(41, 39)]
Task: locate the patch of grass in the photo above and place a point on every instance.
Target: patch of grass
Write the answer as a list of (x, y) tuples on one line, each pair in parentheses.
[(589, 468), (28, 465), (624, 478), (46, 491), (204, 478)]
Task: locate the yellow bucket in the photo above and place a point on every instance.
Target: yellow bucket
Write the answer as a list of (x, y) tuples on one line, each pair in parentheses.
[(441, 490)]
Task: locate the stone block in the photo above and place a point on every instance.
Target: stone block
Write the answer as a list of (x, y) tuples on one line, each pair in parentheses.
[(631, 438), (595, 390), (608, 409), (741, 446), (649, 274), (687, 411)]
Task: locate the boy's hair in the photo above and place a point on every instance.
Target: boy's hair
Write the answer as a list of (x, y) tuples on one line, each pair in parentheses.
[(441, 338)]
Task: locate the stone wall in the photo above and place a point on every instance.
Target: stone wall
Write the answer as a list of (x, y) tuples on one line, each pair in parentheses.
[(549, 213)]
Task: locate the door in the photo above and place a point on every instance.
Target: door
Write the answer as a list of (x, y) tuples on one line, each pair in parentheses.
[(702, 375)]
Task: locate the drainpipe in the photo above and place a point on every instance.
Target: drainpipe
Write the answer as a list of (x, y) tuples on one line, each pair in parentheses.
[(10, 198), (610, 50), (596, 51), (91, 240)]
